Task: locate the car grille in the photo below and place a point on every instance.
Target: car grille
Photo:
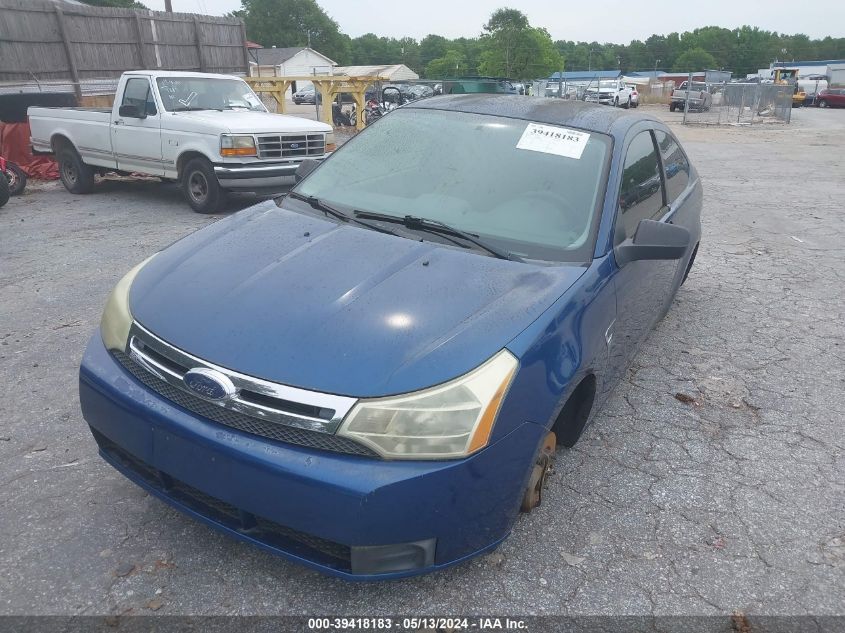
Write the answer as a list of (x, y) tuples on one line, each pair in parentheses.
[(263, 530), (291, 145), (240, 421)]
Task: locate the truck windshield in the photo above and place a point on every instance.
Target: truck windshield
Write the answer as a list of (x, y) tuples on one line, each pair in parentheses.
[(207, 93), (529, 189)]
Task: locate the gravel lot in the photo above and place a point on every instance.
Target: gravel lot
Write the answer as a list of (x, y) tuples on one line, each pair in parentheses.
[(713, 481)]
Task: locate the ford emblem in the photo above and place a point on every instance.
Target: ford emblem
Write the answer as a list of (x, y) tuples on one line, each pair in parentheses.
[(209, 384), (294, 145)]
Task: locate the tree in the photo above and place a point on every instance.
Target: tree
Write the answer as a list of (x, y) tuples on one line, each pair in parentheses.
[(120, 4), (693, 60), (291, 23), (511, 47), (452, 64)]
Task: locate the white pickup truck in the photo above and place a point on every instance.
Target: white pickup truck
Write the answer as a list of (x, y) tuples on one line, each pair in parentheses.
[(211, 133)]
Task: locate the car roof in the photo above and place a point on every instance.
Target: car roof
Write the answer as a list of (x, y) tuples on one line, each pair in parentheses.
[(560, 112)]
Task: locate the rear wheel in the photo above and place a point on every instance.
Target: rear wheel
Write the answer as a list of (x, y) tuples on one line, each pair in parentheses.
[(77, 177), (16, 178), (200, 186), (822, 103), (671, 107), (628, 105)]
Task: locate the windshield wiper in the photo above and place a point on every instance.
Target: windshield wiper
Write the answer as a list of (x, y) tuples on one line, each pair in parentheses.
[(194, 109), (436, 226), (328, 209)]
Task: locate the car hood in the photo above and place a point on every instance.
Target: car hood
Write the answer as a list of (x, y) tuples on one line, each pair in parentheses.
[(233, 121), (340, 309)]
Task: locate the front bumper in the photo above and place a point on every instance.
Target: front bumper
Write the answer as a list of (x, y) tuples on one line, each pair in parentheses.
[(326, 510), (257, 176)]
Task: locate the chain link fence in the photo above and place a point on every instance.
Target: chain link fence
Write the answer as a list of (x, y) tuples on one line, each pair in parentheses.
[(738, 104)]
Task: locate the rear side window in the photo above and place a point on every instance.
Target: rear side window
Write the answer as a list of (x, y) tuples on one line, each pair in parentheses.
[(137, 93), (641, 194), (675, 165)]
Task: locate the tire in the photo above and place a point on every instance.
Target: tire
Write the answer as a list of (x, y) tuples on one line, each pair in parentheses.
[(200, 187), (16, 178), (822, 103), (628, 105), (615, 102), (4, 192), (77, 177), (671, 107)]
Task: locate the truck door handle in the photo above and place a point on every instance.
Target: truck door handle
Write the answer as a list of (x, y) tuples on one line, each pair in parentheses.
[(118, 122)]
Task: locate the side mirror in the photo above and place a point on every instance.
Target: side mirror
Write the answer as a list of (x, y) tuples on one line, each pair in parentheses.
[(305, 168), (132, 112), (654, 241)]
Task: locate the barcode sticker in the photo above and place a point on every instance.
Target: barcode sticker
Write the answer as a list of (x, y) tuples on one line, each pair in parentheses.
[(553, 140)]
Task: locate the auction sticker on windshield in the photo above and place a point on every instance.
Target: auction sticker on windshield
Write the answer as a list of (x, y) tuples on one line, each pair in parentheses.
[(553, 140)]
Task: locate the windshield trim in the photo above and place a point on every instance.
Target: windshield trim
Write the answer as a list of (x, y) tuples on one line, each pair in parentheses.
[(586, 251)]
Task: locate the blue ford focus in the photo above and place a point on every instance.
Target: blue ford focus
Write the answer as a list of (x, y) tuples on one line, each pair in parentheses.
[(370, 375)]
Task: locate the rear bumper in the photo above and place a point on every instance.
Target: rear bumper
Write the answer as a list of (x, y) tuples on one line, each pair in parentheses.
[(252, 176), (325, 510)]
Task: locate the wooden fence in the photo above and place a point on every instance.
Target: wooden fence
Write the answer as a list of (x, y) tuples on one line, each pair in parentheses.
[(44, 40)]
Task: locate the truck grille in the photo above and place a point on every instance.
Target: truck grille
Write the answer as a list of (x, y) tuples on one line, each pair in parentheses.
[(291, 145)]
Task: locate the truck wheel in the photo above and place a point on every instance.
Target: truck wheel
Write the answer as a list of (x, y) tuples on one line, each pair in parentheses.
[(16, 178), (200, 186), (77, 177), (4, 191), (822, 103), (671, 107)]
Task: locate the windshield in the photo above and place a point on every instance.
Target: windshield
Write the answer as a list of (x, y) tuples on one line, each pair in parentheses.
[(532, 190), (207, 93)]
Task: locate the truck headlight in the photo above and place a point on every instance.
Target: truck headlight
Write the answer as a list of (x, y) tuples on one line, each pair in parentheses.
[(117, 319), (232, 145), (331, 145), (447, 421)]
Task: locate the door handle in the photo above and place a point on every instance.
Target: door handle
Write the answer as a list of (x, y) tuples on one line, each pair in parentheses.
[(118, 122)]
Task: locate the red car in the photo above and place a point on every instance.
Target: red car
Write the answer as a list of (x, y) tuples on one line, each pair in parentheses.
[(833, 98)]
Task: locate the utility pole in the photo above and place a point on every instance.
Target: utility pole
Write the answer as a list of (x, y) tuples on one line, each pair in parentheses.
[(168, 6), (590, 60)]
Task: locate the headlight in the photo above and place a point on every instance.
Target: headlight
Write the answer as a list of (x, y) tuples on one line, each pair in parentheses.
[(231, 145), (117, 319), (331, 145), (450, 420)]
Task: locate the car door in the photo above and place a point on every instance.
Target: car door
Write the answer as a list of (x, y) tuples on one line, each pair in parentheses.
[(136, 142), (643, 288)]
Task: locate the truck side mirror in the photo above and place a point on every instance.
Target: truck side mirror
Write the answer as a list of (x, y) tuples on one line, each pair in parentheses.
[(132, 112), (305, 168), (654, 241)]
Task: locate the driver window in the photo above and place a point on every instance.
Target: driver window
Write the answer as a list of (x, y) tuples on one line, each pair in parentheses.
[(137, 93), (641, 194)]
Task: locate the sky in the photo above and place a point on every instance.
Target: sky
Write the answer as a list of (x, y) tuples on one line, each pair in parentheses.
[(617, 21)]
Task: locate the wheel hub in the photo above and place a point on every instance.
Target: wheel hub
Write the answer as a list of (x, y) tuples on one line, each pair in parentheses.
[(533, 495)]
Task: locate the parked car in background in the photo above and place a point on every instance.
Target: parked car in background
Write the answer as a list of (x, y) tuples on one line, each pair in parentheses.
[(698, 94), (305, 95), (370, 375), (635, 96), (831, 98), (609, 92), (211, 133)]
